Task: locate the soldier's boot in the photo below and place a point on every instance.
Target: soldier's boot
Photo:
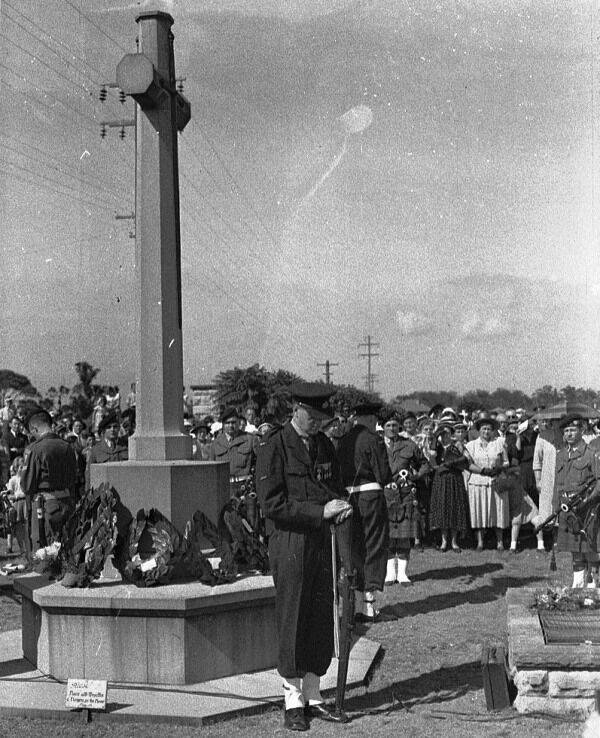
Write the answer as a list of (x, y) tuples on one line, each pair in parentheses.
[(371, 611), (579, 578), (391, 574), (402, 575)]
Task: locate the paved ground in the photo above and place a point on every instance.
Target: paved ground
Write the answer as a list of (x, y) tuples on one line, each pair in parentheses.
[(429, 679)]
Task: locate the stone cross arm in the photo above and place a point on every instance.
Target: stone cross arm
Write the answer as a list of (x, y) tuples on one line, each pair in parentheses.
[(137, 76)]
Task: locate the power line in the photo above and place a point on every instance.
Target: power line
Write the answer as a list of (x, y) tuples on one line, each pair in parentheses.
[(99, 28), (41, 61), (58, 42), (41, 41), (99, 187)]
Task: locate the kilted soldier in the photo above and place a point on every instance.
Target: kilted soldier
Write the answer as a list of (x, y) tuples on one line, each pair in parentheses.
[(409, 466), (365, 472), (299, 489), (577, 486)]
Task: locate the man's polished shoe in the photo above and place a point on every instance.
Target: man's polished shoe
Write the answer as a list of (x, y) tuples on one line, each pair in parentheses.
[(326, 713), (295, 719)]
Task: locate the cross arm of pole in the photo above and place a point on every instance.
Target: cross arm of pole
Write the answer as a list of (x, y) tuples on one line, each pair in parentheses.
[(137, 77)]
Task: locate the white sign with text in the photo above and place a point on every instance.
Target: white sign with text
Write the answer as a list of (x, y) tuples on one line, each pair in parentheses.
[(86, 693)]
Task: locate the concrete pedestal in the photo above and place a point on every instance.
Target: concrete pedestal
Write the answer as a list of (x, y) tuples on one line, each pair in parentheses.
[(176, 488), (177, 634)]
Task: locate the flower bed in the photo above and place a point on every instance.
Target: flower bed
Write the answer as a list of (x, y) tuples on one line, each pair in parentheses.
[(569, 615)]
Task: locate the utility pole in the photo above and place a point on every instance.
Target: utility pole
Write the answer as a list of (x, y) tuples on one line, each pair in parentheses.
[(369, 345), (327, 373)]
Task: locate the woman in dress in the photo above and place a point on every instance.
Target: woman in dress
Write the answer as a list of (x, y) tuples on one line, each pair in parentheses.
[(449, 502), (487, 458), (426, 441)]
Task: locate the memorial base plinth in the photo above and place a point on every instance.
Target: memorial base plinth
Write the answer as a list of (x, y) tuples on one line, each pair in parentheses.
[(176, 634), (176, 488)]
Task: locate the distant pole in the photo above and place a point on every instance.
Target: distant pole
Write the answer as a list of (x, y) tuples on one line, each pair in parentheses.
[(369, 345), (327, 372)]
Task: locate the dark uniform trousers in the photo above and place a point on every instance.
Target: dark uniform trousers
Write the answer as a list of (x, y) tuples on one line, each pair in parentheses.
[(304, 612), (370, 539), (364, 463)]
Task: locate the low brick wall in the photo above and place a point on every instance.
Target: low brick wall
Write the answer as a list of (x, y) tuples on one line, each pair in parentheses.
[(558, 679)]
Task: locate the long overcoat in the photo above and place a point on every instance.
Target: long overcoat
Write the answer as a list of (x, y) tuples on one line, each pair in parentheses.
[(293, 488)]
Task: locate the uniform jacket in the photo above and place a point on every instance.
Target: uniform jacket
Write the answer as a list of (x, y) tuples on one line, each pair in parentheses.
[(574, 471), (292, 488), (101, 453), (240, 452), (363, 458), (51, 465), (405, 454)]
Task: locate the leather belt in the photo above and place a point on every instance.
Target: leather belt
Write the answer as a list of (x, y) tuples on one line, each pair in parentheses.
[(56, 494), (366, 487)]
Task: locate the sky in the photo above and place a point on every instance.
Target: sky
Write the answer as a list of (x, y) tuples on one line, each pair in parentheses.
[(457, 226)]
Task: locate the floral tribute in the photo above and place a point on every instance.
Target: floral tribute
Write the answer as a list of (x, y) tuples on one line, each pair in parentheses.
[(563, 599)]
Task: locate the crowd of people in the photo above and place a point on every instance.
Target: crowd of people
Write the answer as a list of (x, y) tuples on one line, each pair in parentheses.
[(389, 481), (464, 477)]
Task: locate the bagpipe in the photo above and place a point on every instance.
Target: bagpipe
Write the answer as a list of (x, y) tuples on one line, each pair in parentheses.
[(579, 505), (401, 494)]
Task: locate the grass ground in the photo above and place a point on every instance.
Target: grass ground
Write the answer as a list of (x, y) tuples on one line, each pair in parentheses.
[(429, 679)]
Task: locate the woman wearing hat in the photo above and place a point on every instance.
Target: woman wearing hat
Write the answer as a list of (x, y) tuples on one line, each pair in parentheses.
[(488, 508), (449, 501)]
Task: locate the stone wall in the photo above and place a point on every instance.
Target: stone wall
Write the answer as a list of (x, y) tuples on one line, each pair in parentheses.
[(558, 679)]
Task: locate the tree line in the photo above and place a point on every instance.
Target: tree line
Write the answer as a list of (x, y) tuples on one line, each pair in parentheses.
[(268, 391)]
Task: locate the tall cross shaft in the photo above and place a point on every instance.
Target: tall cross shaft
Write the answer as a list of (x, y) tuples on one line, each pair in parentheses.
[(149, 77)]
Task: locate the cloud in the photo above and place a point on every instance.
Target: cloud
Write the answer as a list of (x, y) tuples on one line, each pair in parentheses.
[(412, 323), (476, 326)]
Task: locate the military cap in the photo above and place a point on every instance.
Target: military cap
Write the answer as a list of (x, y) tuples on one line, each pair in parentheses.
[(314, 396), (571, 419), (367, 407), (106, 421), (228, 413)]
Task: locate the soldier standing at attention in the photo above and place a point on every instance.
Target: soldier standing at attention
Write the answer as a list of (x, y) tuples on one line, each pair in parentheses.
[(365, 472), (50, 473), (299, 489), (577, 472)]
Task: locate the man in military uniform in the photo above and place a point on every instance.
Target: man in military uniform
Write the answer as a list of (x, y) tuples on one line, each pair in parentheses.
[(236, 447), (110, 447), (577, 471), (300, 491), (365, 471), (50, 473)]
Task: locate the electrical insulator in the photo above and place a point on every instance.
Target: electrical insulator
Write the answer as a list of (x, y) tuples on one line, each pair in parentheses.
[(103, 131), (122, 96), (103, 93), (122, 133)]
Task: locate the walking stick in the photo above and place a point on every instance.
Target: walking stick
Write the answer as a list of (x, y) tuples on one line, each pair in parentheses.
[(336, 601), (346, 590)]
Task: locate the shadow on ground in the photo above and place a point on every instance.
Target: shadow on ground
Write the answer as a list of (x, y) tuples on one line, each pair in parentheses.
[(441, 685), (453, 572), (435, 603)]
